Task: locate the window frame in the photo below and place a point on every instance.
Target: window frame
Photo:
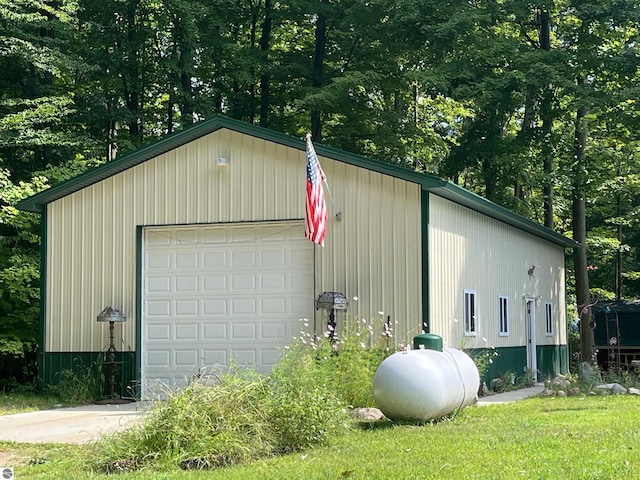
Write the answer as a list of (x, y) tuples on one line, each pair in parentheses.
[(503, 315), (548, 318), (470, 306)]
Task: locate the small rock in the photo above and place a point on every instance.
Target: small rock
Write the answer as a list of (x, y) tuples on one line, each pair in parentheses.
[(618, 389), (484, 391), (574, 392), (633, 391), (611, 388), (367, 414), (561, 381), (561, 393), (547, 393), (496, 384)]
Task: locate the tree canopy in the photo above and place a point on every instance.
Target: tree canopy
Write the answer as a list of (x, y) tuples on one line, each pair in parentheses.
[(530, 104)]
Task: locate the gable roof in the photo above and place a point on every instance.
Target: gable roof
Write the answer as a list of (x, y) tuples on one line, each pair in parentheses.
[(37, 203)]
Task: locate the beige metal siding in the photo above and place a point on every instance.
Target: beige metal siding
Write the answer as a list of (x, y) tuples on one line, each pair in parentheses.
[(468, 250), (372, 253)]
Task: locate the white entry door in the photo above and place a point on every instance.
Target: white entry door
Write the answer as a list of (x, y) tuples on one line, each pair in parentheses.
[(532, 362), (216, 294)]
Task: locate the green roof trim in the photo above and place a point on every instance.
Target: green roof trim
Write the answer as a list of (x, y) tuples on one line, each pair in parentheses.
[(37, 203)]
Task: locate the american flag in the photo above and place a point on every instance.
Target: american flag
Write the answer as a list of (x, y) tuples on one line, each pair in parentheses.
[(315, 226)]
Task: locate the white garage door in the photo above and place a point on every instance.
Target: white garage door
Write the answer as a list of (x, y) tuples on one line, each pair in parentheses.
[(213, 294)]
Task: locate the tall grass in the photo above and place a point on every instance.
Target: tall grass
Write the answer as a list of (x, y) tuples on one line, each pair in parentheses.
[(578, 438), (304, 402)]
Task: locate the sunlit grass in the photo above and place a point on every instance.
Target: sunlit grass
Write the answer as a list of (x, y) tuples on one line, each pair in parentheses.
[(577, 438), (17, 402)]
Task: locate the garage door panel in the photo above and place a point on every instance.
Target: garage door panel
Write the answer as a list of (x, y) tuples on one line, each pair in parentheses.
[(215, 358), (243, 259), (159, 284), (273, 281), (273, 306), (187, 260), (273, 258), (187, 332), (188, 358), (244, 356), (186, 283), (273, 330), (158, 261), (215, 283), (300, 258), (158, 358), (214, 307), (243, 306), (158, 308), (188, 307), (158, 332), (243, 282), (298, 281), (217, 293), (215, 331), (212, 261), (243, 331)]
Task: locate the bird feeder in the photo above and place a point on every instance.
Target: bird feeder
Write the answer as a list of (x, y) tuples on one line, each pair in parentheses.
[(332, 301), (111, 315)]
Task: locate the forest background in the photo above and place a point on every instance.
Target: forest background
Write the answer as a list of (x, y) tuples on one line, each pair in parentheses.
[(533, 105)]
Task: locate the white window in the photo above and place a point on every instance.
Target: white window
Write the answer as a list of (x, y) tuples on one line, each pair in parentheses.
[(470, 309), (503, 312), (548, 318)]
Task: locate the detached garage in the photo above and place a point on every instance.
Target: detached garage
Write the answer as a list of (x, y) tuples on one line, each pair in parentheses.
[(198, 239)]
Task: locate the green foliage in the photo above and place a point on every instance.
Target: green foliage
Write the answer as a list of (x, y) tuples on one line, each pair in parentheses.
[(81, 385), (303, 410), (347, 363), (239, 416), (25, 400), (482, 357)]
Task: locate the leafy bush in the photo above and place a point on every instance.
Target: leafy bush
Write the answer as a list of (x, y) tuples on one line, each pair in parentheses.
[(80, 385), (304, 409), (348, 363)]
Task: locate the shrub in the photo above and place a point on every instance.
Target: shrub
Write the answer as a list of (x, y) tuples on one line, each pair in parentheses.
[(303, 409), (202, 425), (348, 363), (80, 385)]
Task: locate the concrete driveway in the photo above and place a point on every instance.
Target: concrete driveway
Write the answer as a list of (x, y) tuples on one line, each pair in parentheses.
[(69, 425)]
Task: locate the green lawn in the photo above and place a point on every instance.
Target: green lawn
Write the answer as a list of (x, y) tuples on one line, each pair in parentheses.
[(549, 438), (25, 402)]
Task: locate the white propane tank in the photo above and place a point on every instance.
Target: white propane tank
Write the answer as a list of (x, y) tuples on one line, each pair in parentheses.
[(425, 384)]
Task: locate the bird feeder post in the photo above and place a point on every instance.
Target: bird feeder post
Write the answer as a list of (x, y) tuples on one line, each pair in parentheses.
[(332, 301), (111, 315)]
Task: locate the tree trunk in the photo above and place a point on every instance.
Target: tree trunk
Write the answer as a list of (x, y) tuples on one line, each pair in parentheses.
[(547, 122), (318, 64), (583, 298), (265, 81)]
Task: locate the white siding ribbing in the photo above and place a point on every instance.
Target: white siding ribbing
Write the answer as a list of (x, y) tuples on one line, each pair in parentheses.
[(373, 252), (468, 250)]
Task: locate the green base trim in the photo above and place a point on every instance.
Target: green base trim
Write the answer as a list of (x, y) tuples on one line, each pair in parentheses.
[(551, 360), (126, 380)]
